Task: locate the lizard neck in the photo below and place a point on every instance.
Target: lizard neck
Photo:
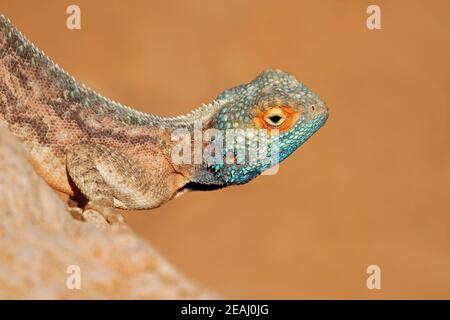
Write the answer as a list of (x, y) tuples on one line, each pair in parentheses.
[(199, 117)]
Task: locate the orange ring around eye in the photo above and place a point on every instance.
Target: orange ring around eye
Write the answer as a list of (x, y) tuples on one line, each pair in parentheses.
[(290, 118)]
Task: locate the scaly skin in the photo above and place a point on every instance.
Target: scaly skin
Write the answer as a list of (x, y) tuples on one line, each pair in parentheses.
[(88, 146)]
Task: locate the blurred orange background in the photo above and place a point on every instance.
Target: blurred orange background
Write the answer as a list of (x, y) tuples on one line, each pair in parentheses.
[(371, 187)]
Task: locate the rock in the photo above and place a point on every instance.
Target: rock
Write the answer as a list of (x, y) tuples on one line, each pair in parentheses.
[(44, 251)]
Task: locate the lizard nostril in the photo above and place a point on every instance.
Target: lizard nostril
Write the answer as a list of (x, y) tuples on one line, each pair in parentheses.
[(313, 108)]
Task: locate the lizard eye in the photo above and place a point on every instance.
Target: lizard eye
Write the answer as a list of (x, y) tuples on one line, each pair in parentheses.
[(275, 117), (280, 118)]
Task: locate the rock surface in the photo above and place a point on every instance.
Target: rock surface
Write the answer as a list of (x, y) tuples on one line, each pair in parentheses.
[(43, 249)]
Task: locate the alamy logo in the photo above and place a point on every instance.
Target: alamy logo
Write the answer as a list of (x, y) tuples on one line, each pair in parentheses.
[(373, 21), (73, 281), (73, 21), (374, 280), (226, 147)]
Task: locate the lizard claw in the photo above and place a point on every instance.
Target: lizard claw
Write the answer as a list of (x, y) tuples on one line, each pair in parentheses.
[(100, 216)]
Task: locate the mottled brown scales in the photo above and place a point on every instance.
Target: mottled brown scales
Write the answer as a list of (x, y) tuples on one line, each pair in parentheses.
[(44, 107)]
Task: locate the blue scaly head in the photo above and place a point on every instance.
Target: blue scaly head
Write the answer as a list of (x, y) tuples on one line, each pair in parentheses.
[(262, 123)]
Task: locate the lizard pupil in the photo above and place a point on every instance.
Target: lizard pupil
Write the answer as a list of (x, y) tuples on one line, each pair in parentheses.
[(275, 119)]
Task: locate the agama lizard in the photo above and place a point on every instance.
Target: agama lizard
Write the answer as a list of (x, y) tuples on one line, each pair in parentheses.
[(101, 152)]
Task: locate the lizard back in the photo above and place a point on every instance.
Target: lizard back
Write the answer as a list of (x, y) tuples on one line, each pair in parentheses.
[(50, 111)]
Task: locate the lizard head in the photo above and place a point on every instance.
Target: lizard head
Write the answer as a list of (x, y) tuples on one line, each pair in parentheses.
[(267, 119)]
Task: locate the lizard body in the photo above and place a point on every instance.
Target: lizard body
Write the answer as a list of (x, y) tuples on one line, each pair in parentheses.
[(86, 145)]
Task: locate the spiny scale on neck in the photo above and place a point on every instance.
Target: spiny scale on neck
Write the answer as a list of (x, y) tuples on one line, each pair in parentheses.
[(76, 92)]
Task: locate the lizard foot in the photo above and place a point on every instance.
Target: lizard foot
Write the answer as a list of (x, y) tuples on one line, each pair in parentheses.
[(99, 216)]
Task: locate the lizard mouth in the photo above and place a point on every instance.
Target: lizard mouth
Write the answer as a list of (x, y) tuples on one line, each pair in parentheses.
[(195, 186)]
